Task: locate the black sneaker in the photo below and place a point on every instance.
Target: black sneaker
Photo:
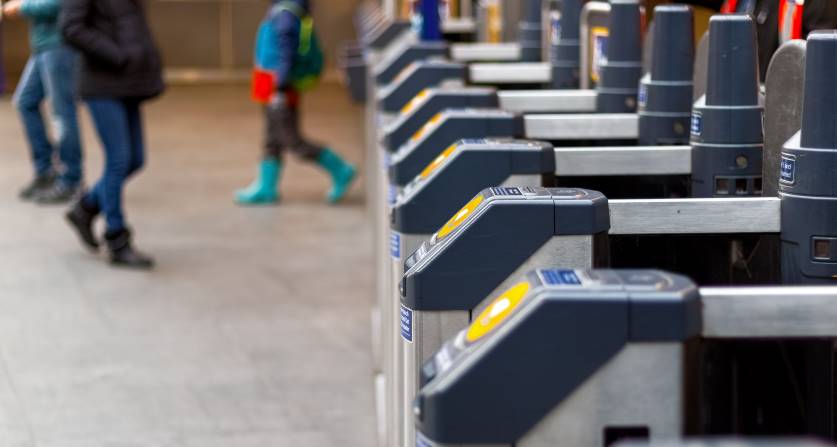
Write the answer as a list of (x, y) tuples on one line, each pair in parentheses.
[(36, 186), (123, 254), (81, 219), (58, 194)]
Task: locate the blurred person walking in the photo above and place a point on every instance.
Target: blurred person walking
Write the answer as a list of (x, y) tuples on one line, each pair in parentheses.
[(288, 61), (121, 70), (779, 21), (49, 74)]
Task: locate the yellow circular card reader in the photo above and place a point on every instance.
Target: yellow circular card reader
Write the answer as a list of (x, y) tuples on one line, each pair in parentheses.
[(415, 102), (497, 312), (459, 217), (426, 128), (438, 162)]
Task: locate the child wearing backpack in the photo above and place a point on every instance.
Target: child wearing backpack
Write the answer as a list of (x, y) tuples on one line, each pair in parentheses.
[(289, 60)]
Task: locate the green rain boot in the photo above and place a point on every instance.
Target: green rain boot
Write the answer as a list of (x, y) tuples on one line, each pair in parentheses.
[(263, 189), (341, 172)]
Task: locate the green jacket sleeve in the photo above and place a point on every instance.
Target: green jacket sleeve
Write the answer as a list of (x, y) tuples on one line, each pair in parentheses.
[(41, 9)]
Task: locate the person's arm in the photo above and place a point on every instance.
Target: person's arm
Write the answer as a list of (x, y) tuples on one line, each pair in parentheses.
[(90, 41), (288, 26), (41, 9)]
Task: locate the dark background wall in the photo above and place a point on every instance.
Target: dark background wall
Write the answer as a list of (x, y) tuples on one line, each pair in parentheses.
[(206, 37)]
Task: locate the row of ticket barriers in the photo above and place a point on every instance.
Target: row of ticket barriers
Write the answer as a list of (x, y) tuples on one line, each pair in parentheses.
[(613, 236)]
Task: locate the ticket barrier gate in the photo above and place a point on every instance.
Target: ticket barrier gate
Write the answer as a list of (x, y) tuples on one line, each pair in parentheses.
[(441, 289), (376, 33), (577, 357), (567, 45), (376, 122), (421, 209), (384, 53), (528, 48), (560, 69), (565, 62), (431, 101), (663, 113), (722, 160), (414, 79), (542, 164), (627, 15)]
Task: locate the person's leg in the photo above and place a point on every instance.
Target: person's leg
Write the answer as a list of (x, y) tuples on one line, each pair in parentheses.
[(82, 215), (137, 137), (263, 190), (111, 122), (342, 173), (118, 125), (27, 100), (59, 79)]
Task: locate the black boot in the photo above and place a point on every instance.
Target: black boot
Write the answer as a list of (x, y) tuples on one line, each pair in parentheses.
[(81, 219), (36, 186), (122, 253)]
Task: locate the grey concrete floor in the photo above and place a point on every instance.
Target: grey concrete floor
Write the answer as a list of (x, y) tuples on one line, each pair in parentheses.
[(252, 331)]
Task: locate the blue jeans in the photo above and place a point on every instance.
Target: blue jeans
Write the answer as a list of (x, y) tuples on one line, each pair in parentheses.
[(51, 75), (119, 124)]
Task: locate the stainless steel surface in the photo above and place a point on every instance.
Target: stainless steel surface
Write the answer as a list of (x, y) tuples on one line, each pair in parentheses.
[(551, 101), (589, 9), (408, 244), (769, 312), (430, 331), (485, 52), (605, 126), (640, 160), (658, 404), (377, 201), (783, 108), (459, 25), (695, 216), (510, 73)]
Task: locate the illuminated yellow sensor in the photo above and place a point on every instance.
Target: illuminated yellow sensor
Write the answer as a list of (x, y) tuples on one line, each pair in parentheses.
[(438, 162), (415, 102), (424, 129), (459, 217), (497, 312)]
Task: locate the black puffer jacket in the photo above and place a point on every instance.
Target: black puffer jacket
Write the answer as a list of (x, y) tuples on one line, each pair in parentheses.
[(121, 59)]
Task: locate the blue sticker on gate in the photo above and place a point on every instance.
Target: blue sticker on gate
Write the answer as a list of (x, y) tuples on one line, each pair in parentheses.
[(643, 95), (386, 161), (506, 191), (395, 245), (560, 277), (406, 323), (787, 169), (392, 194), (697, 124)]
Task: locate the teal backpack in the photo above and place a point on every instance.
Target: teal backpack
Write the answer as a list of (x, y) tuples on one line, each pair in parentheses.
[(309, 61)]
